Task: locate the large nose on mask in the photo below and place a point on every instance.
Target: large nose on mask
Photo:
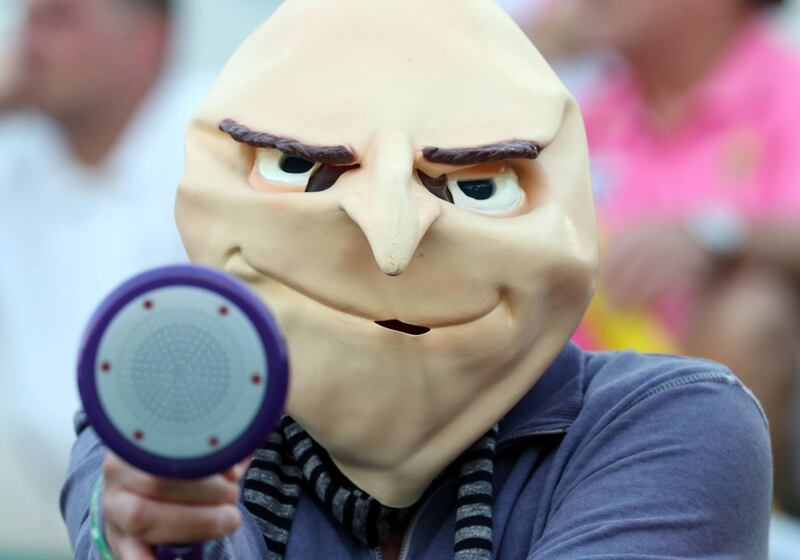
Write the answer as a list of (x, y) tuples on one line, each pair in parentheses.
[(390, 208)]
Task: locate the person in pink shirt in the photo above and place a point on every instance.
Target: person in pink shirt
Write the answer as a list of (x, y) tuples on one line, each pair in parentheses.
[(694, 143)]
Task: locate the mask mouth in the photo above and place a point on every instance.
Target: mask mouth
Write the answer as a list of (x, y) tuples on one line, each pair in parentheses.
[(395, 325)]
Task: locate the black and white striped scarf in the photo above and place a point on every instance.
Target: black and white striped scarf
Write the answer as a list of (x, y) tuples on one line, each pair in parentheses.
[(290, 461)]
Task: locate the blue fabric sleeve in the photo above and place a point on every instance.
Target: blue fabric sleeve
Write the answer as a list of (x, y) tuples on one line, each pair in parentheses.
[(76, 495), (85, 469), (681, 472)]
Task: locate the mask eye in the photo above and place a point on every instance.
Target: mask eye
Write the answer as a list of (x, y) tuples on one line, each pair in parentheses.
[(478, 189), (492, 194), (273, 165)]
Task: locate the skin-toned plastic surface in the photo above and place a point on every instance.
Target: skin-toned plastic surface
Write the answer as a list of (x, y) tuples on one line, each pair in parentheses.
[(401, 91)]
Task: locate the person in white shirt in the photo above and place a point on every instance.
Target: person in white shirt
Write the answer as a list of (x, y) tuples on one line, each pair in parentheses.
[(90, 158)]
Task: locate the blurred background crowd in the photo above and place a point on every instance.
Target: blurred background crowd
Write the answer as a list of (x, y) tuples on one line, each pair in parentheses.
[(692, 114)]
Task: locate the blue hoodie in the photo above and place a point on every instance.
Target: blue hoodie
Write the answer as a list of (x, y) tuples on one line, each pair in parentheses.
[(616, 456)]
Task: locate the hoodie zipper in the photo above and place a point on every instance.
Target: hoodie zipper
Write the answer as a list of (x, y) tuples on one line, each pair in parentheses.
[(407, 535), (404, 546)]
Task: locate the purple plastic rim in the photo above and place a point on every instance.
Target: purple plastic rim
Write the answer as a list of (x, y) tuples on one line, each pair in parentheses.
[(269, 412)]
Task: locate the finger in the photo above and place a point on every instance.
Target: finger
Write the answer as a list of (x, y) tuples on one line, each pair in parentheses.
[(159, 522), (125, 547), (130, 548), (214, 490), (237, 472)]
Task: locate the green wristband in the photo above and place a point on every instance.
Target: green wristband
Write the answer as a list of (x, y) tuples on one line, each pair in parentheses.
[(94, 521)]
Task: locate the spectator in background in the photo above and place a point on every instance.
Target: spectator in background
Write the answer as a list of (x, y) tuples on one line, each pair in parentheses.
[(693, 132), (697, 176), (91, 152)]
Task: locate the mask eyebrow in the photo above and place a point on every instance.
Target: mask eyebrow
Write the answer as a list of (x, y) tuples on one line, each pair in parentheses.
[(524, 149), (331, 155)]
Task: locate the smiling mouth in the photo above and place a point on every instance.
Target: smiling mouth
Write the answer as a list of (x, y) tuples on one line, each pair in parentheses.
[(240, 267), (407, 328)]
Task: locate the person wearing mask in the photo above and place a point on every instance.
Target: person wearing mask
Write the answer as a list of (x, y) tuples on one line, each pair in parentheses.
[(418, 216)]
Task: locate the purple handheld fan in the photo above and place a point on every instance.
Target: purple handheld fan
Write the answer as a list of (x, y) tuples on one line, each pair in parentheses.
[(183, 373)]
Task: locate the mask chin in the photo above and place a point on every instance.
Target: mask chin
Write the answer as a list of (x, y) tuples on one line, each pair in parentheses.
[(406, 406)]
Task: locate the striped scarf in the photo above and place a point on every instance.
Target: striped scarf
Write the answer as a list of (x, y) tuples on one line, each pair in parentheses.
[(290, 461)]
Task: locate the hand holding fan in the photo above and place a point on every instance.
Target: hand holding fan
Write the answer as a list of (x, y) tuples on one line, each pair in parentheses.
[(183, 373)]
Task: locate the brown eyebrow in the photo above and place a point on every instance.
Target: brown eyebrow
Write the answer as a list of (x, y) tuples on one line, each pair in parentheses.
[(332, 155), (512, 149)]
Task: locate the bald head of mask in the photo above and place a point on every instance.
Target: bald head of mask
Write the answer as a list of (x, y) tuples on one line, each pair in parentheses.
[(408, 189)]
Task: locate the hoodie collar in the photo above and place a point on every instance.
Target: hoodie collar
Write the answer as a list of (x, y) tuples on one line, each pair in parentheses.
[(554, 401)]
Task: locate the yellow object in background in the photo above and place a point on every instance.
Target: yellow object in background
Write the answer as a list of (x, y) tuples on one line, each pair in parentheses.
[(605, 327)]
